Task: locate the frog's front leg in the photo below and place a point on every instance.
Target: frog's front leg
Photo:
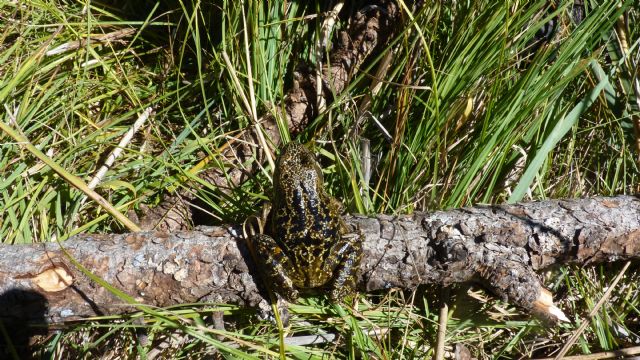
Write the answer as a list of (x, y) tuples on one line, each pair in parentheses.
[(276, 265), (348, 253)]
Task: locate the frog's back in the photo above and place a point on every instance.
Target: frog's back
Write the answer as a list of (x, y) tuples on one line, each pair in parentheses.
[(305, 220)]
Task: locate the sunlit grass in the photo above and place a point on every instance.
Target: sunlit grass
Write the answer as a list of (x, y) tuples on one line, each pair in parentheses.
[(475, 119)]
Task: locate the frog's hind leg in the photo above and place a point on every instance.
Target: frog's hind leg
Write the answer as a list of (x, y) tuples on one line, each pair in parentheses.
[(345, 275), (276, 265)]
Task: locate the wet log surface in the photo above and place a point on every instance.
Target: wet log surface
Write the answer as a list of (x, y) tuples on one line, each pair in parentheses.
[(500, 247)]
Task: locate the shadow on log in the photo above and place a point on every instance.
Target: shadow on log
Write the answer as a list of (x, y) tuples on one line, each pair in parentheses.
[(22, 316)]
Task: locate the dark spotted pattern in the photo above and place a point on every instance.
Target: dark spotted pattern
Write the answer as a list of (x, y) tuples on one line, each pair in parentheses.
[(305, 246)]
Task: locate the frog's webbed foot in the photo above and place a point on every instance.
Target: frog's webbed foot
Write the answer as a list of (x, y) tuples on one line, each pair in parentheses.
[(265, 311), (275, 264), (345, 276)]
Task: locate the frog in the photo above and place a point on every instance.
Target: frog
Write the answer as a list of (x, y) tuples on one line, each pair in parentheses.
[(306, 245)]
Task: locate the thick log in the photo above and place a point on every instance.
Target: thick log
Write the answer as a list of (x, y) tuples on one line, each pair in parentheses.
[(498, 246)]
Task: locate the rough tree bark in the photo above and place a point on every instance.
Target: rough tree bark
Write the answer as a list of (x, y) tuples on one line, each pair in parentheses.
[(369, 27), (500, 247)]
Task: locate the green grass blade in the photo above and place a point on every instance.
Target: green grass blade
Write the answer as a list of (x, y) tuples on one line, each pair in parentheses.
[(559, 131)]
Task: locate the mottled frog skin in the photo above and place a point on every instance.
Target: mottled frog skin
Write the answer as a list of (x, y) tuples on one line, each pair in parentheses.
[(306, 245)]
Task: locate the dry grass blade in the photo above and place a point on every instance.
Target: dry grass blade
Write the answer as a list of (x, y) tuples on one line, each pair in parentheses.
[(574, 337)]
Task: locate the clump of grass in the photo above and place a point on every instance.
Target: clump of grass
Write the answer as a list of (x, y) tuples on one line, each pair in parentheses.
[(473, 117)]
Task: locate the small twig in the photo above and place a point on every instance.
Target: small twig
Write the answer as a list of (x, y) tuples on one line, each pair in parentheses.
[(97, 178), (321, 46), (101, 38), (443, 318), (365, 159), (12, 114), (118, 150)]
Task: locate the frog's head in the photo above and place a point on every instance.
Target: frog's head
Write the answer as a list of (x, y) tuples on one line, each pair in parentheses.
[(296, 167)]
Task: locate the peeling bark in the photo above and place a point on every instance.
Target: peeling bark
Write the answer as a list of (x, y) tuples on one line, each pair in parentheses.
[(240, 158), (500, 247)]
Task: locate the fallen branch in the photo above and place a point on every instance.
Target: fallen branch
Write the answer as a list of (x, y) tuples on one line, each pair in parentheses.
[(500, 247)]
